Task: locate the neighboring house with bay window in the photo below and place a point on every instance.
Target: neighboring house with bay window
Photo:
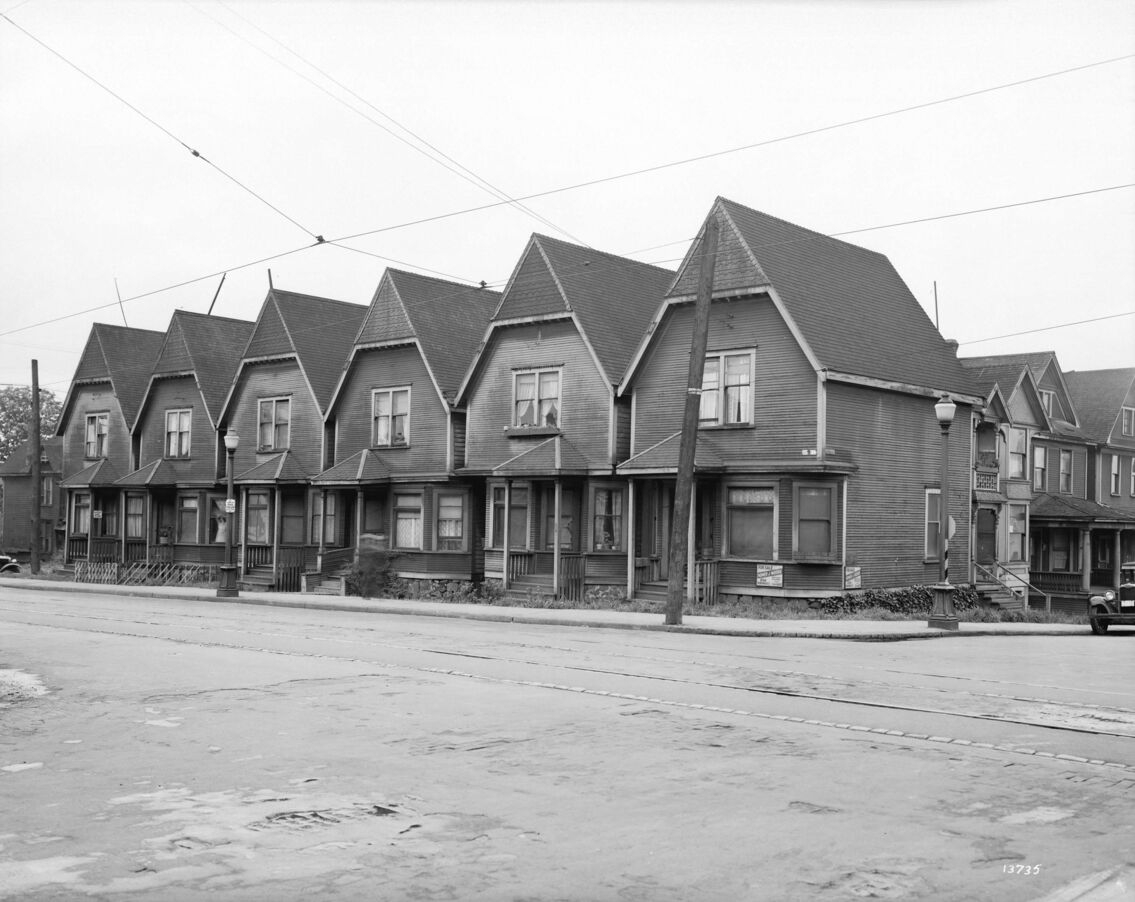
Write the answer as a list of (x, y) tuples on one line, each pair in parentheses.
[(98, 412), (173, 500), (276, 405), (396, 435), (818, 449), (545, 426)]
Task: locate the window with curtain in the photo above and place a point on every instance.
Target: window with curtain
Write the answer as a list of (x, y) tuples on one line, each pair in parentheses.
[(135, 516), (186, 519), (81, 521), (726, 396), (274, 429), (607, 505), (258, 529), (177, 433), (536, 397), (450, 523), (750, 522), (407, 521), (391, 411), (97, 426)]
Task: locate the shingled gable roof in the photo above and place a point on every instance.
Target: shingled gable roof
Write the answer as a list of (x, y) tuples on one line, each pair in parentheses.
[(122, 356), (1039, 363), (364, 467), (554, 455), (446, 319), (19, 460), (282, 468), (1099, 395), (100, 473), (317, 332), (1069, 508), (849, 308), (990, 375), (611, 298)]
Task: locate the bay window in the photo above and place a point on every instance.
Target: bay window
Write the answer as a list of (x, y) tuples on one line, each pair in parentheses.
[(750, 522), (607, 526)]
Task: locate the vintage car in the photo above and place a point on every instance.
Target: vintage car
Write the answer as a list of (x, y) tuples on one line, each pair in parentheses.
[(8, 564), (1115, 607)]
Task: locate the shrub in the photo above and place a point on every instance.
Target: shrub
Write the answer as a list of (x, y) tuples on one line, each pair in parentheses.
[(370, 576)]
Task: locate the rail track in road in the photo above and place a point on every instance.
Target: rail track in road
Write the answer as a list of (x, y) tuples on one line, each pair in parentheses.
[(773, 685)]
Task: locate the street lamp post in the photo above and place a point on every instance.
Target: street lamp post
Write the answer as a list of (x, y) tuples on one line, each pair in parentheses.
[(227, 588), (942, 614)]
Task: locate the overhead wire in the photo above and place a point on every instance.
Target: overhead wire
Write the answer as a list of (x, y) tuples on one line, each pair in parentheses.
[(196, 153), (457, 168), (1079, 322)]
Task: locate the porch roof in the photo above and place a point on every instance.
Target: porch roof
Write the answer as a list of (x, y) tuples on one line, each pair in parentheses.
[(553, 457), (100, 473), (663, 457), (280, 468), (1054, 510), (367, 466), (989, 497), (159, 472)]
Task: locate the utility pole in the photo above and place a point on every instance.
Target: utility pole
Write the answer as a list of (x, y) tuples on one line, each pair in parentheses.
[(683, 488), (37, 482)]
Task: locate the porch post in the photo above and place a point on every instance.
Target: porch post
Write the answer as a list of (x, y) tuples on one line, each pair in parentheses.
[(243, 563), (359, 520), (277, 495), (122, 523), (149, 528), (322, 527), (691, 548), (630, 538), (69, 513), (507, 530), (556, 537), (1116, 560), (1086, 559)]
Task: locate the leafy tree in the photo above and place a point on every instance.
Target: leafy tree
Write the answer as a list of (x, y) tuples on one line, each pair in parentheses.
[(16, 415)]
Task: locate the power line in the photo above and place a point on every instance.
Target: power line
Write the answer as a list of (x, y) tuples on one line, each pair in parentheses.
[(1080, 322), (458, 169), (765, 143), (160, 127)]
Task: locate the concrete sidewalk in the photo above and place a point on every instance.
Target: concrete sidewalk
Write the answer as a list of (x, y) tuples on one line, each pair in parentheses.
[(854, 630)]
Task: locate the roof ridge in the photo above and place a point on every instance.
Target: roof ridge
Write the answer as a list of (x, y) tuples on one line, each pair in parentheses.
[(725, 200), (539, 236), (405, 272)]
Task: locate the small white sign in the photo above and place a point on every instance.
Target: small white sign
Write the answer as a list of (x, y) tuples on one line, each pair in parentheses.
[(230, 505), (96, 515)]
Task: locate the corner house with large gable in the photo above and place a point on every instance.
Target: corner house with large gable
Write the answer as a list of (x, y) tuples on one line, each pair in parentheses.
[(818, 448)]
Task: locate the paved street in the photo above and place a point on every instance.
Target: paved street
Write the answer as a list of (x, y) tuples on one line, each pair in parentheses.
[(189, 750)]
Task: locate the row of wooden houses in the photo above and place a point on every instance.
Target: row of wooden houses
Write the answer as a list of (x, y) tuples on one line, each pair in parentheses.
[(531, 436)]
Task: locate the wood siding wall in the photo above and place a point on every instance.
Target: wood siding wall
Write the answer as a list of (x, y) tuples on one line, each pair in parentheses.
[(95, 399), (584, 396), (896, 442), (1052, 468), (276, 380), (784, 383), (394, 368), (179, 393)]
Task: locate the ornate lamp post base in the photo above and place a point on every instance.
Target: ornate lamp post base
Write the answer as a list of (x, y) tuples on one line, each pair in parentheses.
[(227, 587), (942, 614)]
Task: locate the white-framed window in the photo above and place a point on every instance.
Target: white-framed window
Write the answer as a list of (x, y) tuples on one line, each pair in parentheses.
[(814, 520), (407, 521), (95, 443), (518, 517), (1127, 421), (536, 398), (135, 517), (81, 517), (1018, 531), (47, 490), (1065, 471), (1046, 397), (258, 522), (607, 504), (1040, 468), (750, 522), (274, 419), (1115, 474), (325, 517), (390, 410), (187, 519), (727, 389), (1131, 475), (933, 523), (177, 432), (450, 522), (1017, 443)]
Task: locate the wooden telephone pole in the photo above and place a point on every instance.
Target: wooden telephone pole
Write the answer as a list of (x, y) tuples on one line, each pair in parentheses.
[(683, 489), (37, 482)]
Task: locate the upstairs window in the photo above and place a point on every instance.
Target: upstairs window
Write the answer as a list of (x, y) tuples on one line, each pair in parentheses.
[(1066, 471), (536, 398), (1115, 474), (97, 426), (391, 412), (1046, 400), (726, 390), (275, 418), (47, 490), (1016, 441), (1040, 468), (1127, 421), (177, 433)]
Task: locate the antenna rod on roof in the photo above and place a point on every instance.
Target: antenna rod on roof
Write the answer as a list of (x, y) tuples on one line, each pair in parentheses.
[(270, 285), (936, 324), (120, 307), (217, 295)]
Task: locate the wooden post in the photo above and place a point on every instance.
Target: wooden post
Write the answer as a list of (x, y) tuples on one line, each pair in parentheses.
[(507, 530), (557, 506), (630, 539), (37, 477), (679, 539)]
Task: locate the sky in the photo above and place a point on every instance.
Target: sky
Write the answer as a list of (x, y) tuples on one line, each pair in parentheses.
[(875, 120)]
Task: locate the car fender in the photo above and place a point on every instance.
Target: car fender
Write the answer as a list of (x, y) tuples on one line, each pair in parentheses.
[(10, 567)]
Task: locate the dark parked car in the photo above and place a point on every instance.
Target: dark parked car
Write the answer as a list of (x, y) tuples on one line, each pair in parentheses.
[(1115, 607), (8, 564)]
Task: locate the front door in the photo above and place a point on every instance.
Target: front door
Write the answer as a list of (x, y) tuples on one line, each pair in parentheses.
[(986, 550)]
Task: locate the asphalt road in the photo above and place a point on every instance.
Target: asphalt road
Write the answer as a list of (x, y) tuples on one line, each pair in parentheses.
[(187, 750)]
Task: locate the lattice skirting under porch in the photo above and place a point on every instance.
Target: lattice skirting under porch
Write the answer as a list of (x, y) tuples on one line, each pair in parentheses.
[(142, 573)]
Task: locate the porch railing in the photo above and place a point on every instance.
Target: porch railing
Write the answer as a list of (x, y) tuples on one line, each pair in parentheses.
[(1058, 581), (135, 551), (1006, 578), (289, 569), (707, 578), (76, 548), (520, 563), (572, 570), (647, 570), (336, 558), (257, 556), (104, 551)]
